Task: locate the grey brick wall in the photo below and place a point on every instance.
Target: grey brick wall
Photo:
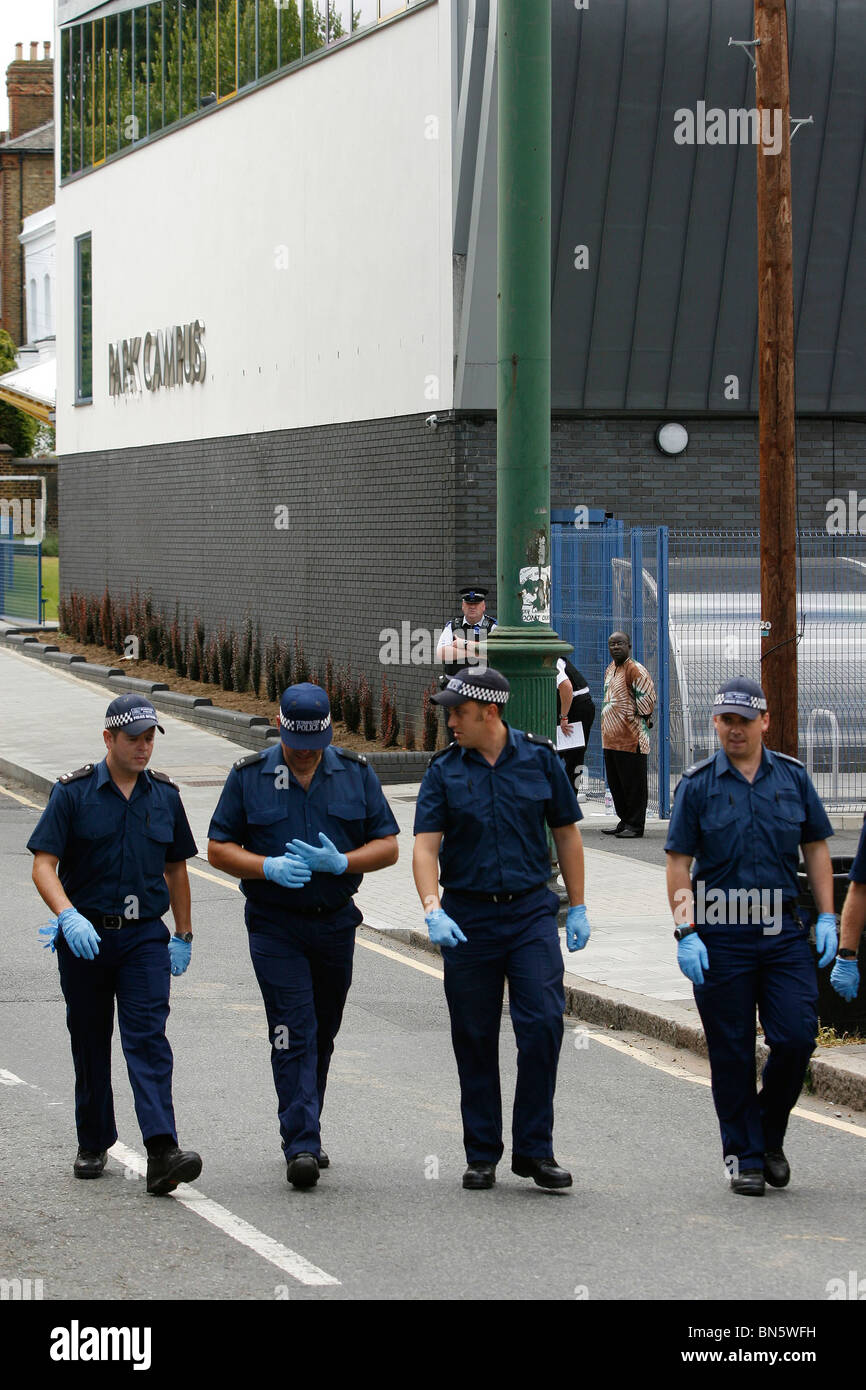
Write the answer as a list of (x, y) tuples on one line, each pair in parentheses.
[(388, 518)]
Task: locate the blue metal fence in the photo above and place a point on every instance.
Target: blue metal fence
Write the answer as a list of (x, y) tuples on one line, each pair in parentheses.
[(20, 580), (690, 602)]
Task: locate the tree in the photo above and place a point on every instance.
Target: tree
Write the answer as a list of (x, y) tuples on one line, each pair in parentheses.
[(16, 429)]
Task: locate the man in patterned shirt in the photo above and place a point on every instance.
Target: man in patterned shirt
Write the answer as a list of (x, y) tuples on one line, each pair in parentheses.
[(629, 700)]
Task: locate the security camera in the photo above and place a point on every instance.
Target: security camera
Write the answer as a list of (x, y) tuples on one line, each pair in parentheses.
[(432, 422)]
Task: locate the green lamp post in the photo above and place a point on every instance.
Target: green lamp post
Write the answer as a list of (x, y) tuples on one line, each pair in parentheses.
[(524, 646)]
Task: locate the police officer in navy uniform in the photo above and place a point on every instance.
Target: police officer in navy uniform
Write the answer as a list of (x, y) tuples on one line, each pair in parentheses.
[(110, 857), (742, 815), (463, 639), (480, 825), (845, 975), (299, 825)]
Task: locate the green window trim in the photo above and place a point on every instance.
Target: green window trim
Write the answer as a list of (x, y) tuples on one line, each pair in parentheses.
[(83, 319)]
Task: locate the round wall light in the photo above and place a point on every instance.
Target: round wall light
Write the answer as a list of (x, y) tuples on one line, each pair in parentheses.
[(671, 438)]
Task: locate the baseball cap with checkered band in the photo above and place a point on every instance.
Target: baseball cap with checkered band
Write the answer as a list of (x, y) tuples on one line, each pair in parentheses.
[(740, 696), (489, 687), (133, 714)]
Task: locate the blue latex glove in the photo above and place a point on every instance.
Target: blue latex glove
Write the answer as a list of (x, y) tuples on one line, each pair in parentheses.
[(576, 928), (51, 932), (179, 953), (80, 934), (692, 958), (825, 938), (845, 979), (443, 930), (287, 870), (329, 860)]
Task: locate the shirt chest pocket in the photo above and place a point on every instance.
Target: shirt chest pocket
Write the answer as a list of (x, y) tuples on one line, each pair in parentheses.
[(348, 816), (721, 832), (267, 829), (788, 815), (94, 824), (532, 787)]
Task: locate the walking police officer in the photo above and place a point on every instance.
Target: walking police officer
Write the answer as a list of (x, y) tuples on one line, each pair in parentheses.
[(110, 853), (743, 814), (299, 825), (484, 803), (845, 975)]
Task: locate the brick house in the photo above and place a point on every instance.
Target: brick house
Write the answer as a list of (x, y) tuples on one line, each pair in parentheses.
[(26, 173)]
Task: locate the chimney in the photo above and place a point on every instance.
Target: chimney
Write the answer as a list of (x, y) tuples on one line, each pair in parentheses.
[(46, 52), (30, 87)]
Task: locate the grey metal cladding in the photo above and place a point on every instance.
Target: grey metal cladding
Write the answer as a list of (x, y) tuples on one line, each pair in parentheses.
[(668, 307)]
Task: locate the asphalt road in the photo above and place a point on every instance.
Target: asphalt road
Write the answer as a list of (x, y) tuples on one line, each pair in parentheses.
[(650, 1215)]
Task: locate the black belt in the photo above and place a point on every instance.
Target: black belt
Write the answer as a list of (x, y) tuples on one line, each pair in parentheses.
[(496, 897), (329, 911), (111, 921)]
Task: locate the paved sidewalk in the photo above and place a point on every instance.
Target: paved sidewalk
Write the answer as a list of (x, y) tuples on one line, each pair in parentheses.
[(627, 976)]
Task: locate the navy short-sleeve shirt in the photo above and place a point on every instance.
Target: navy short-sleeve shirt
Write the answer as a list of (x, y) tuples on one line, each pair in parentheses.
[(493, 818), (745, 834), (110, 849), (858, 868), (262, 807)]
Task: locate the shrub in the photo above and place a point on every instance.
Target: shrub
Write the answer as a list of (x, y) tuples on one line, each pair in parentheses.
[(430, 717), (365, 701), (409, 734), (302, 666), (389, 723)]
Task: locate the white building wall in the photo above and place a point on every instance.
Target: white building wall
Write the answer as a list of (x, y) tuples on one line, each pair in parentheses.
[(307, 225), (39, 241)]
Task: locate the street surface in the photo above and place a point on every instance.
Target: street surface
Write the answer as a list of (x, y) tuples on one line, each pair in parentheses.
[(650, 1215)]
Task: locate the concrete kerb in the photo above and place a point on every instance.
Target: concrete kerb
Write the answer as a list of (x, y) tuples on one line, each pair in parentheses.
[(248, 730)]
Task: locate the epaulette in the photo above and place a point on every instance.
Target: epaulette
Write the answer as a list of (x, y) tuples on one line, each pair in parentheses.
[(353, 757), (250, 758), (441, 753), (696, 767), (544, 742), (79, 772), (788, 758), (161, 777)]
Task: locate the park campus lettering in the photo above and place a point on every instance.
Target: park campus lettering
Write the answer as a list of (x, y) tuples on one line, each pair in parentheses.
[(166, 358)]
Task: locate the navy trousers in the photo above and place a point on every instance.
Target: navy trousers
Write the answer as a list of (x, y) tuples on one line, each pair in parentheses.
[(304, 969), (776, 973), (517, 942), (133, 968)]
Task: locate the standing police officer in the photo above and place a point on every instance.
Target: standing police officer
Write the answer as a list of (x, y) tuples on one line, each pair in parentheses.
[(463, 639), (743, 815), (110, 853), (299, 825), (485, 801)]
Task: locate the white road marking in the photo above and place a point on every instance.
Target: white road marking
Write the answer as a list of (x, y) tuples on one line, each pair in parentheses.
[(22, 799), (682, 1074), (395, 955), (8, 1078), (234, 1226)]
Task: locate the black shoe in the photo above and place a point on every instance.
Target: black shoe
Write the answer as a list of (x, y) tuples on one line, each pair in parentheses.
[(749, 1183), (628, 832), (324, 1161), (546, 1172), (303, 1170), (89, 1164), (480, 1175), (613, 829), (777, 1170), (166, 1170)]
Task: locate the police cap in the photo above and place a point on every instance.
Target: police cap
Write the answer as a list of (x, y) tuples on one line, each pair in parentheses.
[(487, 686), (740, 696)]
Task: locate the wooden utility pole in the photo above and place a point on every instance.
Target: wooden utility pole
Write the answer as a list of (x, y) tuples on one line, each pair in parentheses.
[(776, 378)]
